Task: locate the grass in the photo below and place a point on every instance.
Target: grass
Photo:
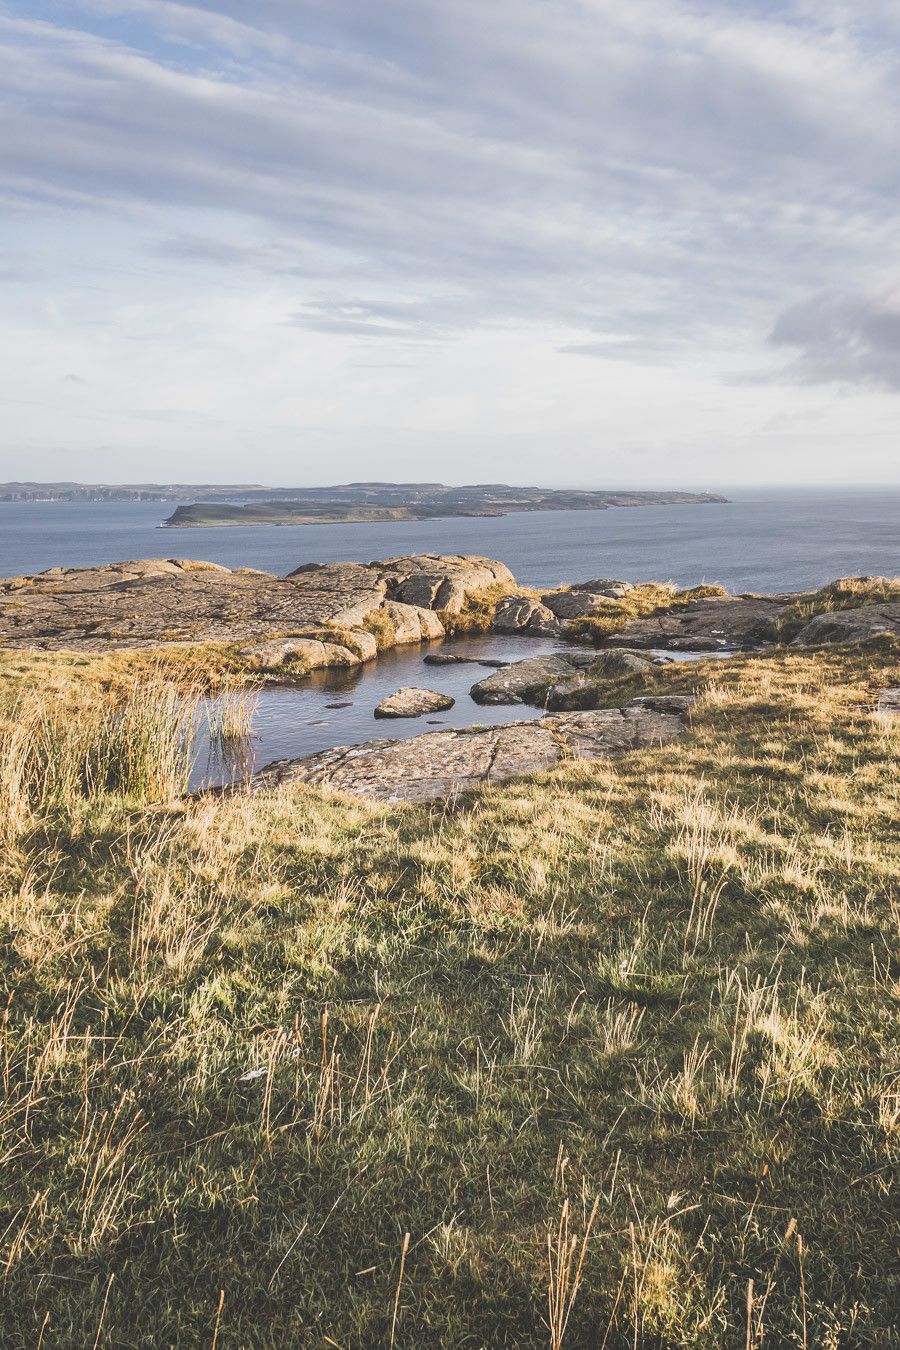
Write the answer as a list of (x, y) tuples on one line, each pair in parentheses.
[(641, 602), (845, 593), (603, 1058), (477, 611)]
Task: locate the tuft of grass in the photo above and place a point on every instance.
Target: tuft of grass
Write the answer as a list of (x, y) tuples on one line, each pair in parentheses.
[(134, 744), (379, 623), (845, 593)]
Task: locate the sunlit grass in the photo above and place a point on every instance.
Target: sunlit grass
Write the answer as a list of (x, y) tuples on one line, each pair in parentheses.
[(615, 1046)]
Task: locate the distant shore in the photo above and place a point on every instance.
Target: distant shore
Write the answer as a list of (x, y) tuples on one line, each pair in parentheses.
[(362, 503)]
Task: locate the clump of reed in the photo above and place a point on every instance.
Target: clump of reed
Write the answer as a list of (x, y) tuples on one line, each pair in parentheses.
[(133, 742)]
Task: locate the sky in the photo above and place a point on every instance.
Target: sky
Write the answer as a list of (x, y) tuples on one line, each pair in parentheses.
[(643, 243)]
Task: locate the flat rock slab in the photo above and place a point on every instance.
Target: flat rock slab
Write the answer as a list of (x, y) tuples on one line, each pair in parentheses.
[(850, 625), (889, 702), (705, 625), (139, 604), (441, 764), (413, 703)]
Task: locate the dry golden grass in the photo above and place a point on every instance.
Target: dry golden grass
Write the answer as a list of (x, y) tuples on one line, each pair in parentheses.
[(606, 1057)]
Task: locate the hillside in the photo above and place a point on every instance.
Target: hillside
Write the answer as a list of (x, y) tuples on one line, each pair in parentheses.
[(605, 1055)]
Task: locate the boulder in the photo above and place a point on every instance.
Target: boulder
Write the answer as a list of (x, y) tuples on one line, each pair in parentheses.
[(519, 613), (570, 605), (441, 581), (413, 703), (411, 623), (449, 659), (315, 655), (889, 701), (441, 764), (608, 587), (522, 681), (850, 625)]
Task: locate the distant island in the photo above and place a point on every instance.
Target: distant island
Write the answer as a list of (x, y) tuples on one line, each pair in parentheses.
[(368, 502)]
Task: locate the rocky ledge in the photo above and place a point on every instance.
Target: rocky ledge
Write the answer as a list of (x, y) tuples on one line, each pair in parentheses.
[(442, 764), (334, 614), (323, 614)]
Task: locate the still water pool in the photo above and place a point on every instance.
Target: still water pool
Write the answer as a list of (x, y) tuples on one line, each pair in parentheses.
[(337, 707)]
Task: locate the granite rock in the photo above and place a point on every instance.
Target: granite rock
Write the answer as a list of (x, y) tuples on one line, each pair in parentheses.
[(520, 682), (442, 764), (153, 601), (522, 614), (850, 625), (413, 703), (705, 625)]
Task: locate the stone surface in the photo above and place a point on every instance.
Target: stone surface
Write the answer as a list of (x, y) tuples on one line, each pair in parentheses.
[(442, 764), (568, 605), (449, 659), (310, 652), (521, 614), (518, 682), (705, 625), (609, 587), (850, 625), (144, 603), (413, 703), (889, 701)]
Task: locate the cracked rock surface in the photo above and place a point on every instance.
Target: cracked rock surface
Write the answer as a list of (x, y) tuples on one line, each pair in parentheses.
[(705, 625), (144, 603), (442, 764)]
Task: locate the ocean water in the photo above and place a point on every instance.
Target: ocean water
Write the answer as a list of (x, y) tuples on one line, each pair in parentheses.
[(762, 540)]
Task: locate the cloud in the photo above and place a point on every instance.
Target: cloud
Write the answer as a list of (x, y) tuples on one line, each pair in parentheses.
[(577, 206), (843, 338)]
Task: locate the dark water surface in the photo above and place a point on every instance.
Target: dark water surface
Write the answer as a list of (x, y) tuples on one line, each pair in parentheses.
[(762, 540)]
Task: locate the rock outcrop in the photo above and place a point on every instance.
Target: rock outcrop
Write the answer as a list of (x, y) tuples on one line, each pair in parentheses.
[(145, 603), (850, 625), (522, 614), (706, 625), (561, 681), (520, 682), (441, 764), (413, 703), (568, 605)]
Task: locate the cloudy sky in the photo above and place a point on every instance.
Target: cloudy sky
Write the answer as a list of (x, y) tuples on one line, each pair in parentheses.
[(599, 242)]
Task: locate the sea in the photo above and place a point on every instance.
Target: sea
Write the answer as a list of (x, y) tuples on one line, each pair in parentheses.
[(761, 540)]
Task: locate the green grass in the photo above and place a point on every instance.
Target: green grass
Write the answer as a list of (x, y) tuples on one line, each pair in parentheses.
[(615, 1047)]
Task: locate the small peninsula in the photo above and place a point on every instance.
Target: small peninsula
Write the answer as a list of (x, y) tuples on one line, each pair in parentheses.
[(367, 502)]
